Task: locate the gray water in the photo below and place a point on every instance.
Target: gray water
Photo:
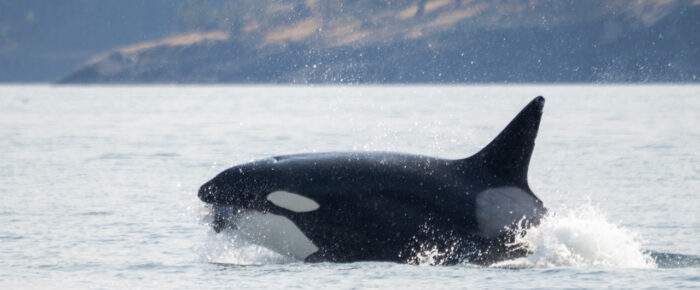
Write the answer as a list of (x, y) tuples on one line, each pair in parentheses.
[(99, 184)]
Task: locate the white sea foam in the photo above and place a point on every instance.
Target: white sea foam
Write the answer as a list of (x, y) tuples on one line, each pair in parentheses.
[(232, 247), (581, 237)]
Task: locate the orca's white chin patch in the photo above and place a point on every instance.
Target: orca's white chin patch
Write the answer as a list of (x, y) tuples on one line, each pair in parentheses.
[(292, 201), (504, 207), (275, 232)]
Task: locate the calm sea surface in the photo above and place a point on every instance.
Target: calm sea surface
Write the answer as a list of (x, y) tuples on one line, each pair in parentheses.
[(98, 184)]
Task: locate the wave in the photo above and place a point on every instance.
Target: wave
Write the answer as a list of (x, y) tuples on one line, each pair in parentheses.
[(581, 237), (671, 260)]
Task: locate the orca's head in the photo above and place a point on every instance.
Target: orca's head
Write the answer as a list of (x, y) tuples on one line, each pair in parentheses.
[(209, 191), (239, 185), (223, 188), (223, 192)]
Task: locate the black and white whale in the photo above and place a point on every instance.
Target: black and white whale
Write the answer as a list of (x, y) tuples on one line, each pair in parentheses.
[(377, 206)]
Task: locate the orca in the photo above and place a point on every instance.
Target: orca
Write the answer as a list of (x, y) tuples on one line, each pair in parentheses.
[(380, 206)]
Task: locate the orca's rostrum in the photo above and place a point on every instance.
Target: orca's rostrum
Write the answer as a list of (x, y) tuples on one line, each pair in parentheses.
[(377, 206)]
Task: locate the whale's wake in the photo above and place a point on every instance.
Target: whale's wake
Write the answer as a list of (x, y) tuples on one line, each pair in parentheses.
[(581, 237)]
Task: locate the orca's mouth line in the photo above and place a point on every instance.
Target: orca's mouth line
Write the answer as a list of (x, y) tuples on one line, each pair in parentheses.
[(222, 217)]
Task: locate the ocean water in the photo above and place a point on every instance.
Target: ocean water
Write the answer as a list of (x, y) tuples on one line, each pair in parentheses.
[(98, 184)]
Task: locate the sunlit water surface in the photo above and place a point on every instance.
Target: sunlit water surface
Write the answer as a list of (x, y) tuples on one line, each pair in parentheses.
[(99, 184)]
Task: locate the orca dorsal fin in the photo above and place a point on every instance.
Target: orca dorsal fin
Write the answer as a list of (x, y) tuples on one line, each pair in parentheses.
[(508, 155)]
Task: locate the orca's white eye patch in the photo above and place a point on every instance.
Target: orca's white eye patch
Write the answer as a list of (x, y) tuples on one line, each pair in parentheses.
[(292, 201)]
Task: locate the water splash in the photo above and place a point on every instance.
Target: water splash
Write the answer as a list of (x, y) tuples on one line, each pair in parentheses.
[(428, 256), (579, 238), (230, 246)]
